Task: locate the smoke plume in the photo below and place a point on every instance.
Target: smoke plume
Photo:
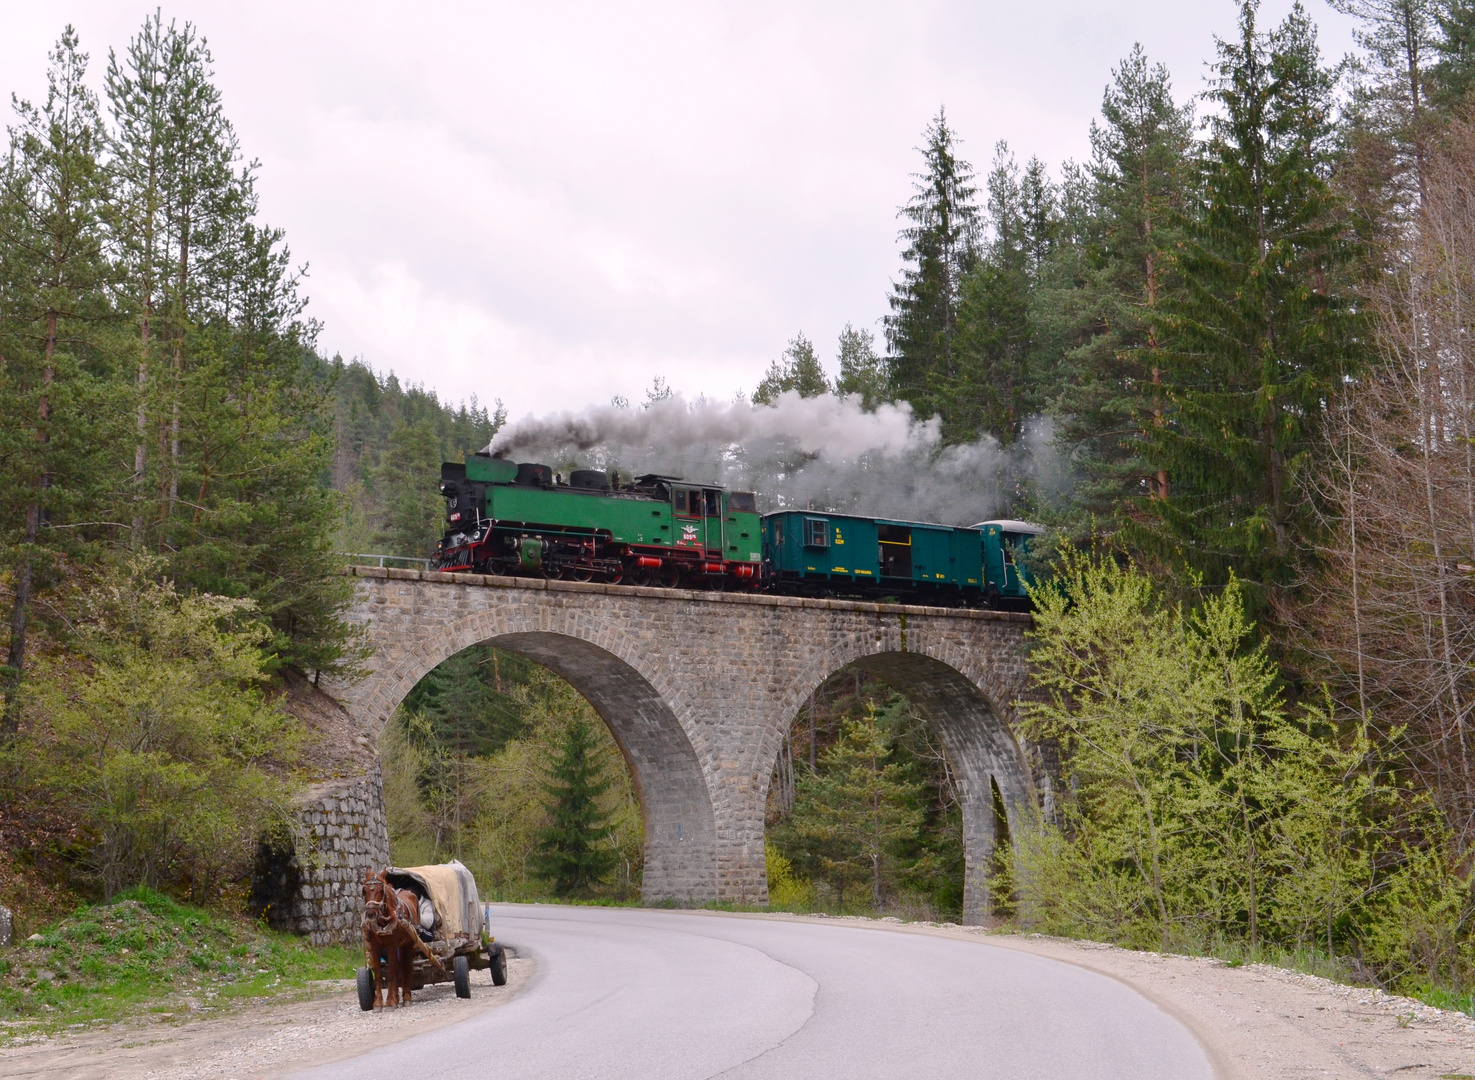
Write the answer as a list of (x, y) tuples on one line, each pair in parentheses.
[(824, 453)]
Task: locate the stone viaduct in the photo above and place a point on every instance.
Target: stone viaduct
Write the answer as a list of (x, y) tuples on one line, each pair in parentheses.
[(699, 689)]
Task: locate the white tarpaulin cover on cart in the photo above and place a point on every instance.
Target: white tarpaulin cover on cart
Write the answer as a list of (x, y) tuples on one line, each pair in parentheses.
[(452, 890)]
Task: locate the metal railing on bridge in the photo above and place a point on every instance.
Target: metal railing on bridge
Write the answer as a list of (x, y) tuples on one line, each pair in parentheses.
[(382, 560)]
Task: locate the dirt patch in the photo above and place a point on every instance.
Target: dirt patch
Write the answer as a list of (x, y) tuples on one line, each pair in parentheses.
[(1258, 1022), (336, 746), (266, 1039)]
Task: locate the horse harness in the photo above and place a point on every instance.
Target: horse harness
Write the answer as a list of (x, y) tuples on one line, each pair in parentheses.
[(382, 915)]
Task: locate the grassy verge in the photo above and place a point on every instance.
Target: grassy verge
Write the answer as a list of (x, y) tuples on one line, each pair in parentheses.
[(144, 953)]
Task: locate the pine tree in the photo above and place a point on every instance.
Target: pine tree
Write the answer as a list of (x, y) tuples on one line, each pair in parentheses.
[(1391, 91), (1113, 391), (180, 203), (1258, 336), (799, 370), (54, 389), (922, 329), (1452, 75), (232, 422), (863, 372), (572, 853)]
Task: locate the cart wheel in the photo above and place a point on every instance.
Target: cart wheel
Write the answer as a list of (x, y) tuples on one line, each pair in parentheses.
[(366, 989), (462, 975), (498, 956)]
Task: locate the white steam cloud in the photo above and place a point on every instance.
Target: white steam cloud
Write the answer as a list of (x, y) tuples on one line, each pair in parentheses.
[(825, 453)]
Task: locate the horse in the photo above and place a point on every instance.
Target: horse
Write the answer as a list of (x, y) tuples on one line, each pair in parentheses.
[(389, 932)]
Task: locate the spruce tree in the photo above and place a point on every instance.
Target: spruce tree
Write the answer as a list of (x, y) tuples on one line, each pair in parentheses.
[(984, 390), (1258, 337), (412, 509), (572, 854), (941, 239), (853, 815), (1112, 392), (55, 405)]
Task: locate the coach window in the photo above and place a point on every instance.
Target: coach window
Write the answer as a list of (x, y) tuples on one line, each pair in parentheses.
[(680, 502), (816, 532), (714, 504)]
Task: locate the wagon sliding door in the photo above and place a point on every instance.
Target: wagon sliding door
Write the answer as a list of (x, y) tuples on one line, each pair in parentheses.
[(896, 551)]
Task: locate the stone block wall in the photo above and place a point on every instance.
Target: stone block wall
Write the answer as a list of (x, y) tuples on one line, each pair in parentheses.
[(341, 831)]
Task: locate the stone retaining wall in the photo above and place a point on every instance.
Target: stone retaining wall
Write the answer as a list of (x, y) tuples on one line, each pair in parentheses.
[(341, 831)]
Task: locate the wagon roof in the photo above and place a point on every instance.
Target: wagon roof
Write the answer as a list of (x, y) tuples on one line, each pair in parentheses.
[(452, 890)]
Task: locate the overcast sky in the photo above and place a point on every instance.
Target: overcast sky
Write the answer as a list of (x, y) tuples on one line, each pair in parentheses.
[(553, 203)]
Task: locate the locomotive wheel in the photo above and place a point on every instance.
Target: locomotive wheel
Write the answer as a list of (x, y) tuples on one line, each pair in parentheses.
[(462, 975), (614, 576), (366, 989), (668, 577), (498, 957), (577, 573)]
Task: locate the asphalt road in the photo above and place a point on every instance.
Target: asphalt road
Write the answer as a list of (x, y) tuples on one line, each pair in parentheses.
[(671, 995)]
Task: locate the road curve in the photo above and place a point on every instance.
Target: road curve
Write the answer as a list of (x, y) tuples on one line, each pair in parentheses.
[(671, 995)]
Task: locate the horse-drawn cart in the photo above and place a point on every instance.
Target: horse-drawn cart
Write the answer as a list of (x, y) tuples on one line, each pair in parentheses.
[(444, 941)]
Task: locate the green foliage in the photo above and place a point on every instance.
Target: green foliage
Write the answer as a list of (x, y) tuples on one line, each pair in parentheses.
[(144, 951), (1453, 72), (412, 505), (255, 447), (155, 734), (1197, 808), (855, 813), (384, 463), (786, 892), (57, 406)]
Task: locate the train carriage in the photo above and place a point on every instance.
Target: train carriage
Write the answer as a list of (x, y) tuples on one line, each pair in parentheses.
[(822, 553)]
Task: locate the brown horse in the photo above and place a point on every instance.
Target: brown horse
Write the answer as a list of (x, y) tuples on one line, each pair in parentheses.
[(389, 932)]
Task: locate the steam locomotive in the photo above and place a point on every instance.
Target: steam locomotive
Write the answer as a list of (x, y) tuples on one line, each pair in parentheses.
[(523, 519)]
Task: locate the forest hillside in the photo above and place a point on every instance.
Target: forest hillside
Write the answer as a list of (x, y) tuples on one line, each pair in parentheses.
[(1241, 324)]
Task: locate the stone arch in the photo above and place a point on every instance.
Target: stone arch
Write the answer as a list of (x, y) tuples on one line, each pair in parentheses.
[(612, 675), (970, 711)]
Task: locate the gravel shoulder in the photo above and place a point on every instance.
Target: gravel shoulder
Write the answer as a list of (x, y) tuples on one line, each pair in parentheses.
[(1258, 1022), (261, 1040)]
